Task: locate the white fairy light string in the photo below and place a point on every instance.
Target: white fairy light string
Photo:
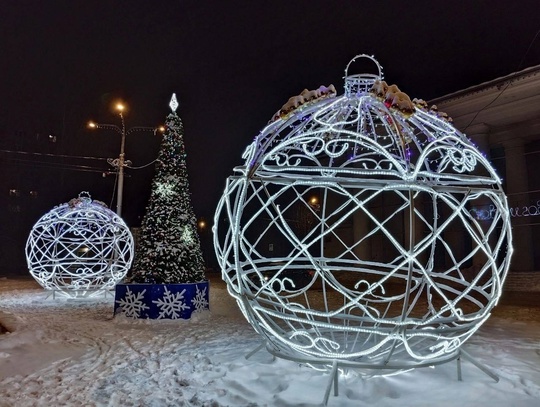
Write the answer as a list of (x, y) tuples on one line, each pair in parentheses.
[(79, 249), (393, 181), (524, 211)]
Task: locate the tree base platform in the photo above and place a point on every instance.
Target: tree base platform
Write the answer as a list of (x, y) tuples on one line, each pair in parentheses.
[(161, 301)]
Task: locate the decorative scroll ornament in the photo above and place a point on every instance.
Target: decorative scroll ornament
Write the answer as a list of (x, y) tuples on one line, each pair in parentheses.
[(80, 248), (347, 238)]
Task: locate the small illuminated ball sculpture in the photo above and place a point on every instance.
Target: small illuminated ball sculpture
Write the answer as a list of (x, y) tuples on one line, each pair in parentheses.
[(350, 236), (80, 248)]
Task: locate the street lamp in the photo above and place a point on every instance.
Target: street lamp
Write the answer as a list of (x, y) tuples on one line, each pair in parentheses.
[(201, 224), (314, 203), (121, 162)]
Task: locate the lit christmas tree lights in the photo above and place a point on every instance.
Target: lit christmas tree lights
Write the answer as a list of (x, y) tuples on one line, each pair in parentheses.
[(169, 249)]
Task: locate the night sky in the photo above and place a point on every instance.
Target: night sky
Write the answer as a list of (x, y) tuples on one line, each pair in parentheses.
[(232, 64)]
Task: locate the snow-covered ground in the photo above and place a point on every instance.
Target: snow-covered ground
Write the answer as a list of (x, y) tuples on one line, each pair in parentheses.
[(74, 353)]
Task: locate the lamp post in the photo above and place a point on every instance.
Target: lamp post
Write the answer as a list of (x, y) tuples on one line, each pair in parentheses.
[(121, 162)]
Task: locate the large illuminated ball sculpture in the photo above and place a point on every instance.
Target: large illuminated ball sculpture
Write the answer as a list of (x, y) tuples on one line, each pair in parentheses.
[(351, 236), (79, 249)]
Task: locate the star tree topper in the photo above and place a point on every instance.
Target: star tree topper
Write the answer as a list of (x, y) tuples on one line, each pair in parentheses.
[(174, 103)]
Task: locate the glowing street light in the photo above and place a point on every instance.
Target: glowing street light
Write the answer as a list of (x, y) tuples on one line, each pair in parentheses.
[(121, 162), (202, 224)]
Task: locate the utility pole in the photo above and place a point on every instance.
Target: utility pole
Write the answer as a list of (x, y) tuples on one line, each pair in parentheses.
[(121, 161)]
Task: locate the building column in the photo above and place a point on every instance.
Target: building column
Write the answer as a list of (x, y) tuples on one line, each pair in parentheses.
[(361, 227), (481, 139), (517, 187)]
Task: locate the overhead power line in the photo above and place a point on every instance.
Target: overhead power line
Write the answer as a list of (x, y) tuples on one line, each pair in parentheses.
[(78, 157), (56, 166)]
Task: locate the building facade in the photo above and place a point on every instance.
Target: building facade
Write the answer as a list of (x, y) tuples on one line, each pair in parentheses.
[(502, 117)]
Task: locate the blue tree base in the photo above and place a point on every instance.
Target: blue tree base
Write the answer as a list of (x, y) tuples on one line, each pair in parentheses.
[(161, 301)]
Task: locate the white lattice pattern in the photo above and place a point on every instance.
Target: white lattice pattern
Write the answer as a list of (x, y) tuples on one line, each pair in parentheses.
[(80, 248), (132, 304), (349, 234)]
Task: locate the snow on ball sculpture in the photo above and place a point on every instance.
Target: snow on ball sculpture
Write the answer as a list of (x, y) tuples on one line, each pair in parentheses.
[(350, 236), (79, 248)]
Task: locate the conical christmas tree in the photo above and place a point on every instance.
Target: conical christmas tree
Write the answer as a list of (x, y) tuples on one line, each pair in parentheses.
[(169, 249)]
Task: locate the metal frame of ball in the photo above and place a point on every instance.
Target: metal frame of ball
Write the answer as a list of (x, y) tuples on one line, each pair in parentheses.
[(79, 249), (359, 334)]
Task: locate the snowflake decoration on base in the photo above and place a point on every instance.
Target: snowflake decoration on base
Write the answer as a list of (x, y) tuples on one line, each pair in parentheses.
[(199, 302), (161, 301), (171, 305), (132, 305)]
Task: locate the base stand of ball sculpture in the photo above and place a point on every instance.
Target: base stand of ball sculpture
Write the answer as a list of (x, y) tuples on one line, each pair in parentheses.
[(349, 237), (79, 249)]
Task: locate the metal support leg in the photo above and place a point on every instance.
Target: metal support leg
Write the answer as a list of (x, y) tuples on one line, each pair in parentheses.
[(458, 360), (336, 389), (254, 351), (479, 365), (333, 381)]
